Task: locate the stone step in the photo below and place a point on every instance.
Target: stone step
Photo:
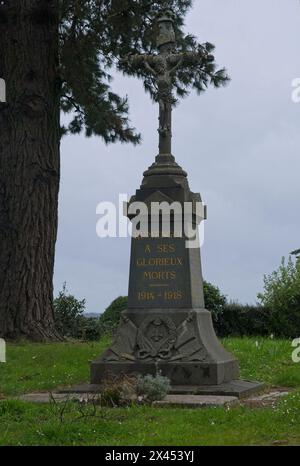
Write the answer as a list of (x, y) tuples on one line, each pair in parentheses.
[(196, 401)]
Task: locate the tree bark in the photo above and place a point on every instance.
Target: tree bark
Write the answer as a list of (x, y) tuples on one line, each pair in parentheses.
[(29, 167)]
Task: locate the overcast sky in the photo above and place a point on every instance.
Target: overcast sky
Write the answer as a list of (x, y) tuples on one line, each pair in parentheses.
[(239, 144)]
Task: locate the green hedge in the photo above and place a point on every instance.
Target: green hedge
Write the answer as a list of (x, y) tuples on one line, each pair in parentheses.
[(277, 313), (110, 318), (230, 319), (238, 320)]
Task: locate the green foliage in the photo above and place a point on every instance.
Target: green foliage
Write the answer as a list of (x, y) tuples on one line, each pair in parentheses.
[(94, 35), (42, 367), (70, 320), (281, 295), (215, 301), (296, 253), (266, 359), (282, 287), (68, 313), (110, 319), (154, 388), (89, 329), (243, 320), (144, 426), (112, 397), (277, 314), (36, 367)]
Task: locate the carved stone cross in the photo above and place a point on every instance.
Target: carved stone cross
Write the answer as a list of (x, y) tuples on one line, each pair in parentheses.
[(163, 67)]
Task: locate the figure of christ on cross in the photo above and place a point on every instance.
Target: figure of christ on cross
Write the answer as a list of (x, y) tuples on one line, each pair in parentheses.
[(162, 67)]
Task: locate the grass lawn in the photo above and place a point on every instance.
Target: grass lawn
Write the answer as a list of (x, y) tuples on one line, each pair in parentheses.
[(32, 367)]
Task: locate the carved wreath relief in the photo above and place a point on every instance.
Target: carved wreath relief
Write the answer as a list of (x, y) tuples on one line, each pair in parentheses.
[(157, 339)]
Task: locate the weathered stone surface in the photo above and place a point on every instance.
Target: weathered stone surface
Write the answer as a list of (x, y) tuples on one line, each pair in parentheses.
[(242, 389), (181, 396), (181, 344), (196, 401), (81, 388), (238, 388), (166, 326), (183, 401), (58, 397), (267, 399)]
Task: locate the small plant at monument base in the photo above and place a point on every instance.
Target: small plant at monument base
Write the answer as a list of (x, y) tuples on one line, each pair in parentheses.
[(153, 388), (118, 391)]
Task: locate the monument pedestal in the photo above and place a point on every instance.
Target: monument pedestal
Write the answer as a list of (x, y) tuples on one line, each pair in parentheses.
[(180, 344), (166, 328)]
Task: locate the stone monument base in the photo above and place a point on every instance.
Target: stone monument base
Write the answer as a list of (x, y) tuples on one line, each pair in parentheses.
[(239, 388), (179, 344), (184, 374), (236, 388)]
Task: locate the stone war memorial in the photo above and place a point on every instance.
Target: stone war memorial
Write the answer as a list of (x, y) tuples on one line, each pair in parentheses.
[(166, 327)]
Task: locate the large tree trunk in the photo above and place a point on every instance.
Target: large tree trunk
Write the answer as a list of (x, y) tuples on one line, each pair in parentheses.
[(29, 167)]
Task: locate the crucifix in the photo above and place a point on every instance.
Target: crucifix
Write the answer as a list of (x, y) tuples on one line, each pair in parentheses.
[(162, 67)]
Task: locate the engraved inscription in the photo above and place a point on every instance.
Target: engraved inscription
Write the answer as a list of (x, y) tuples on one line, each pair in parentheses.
[(159, 273)]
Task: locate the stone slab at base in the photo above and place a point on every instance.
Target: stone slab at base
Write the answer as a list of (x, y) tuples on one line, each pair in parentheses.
[(196, 401), (92, 394), (171, 401), (236, 388), (81, 388), (44, 398)]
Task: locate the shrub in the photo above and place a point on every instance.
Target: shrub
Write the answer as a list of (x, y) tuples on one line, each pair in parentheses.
[(243, 320), (89, 329), (215, 301), (70, 320), (277, 313), (68, 313), (110, 319), (154, 388), (281, 295)]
